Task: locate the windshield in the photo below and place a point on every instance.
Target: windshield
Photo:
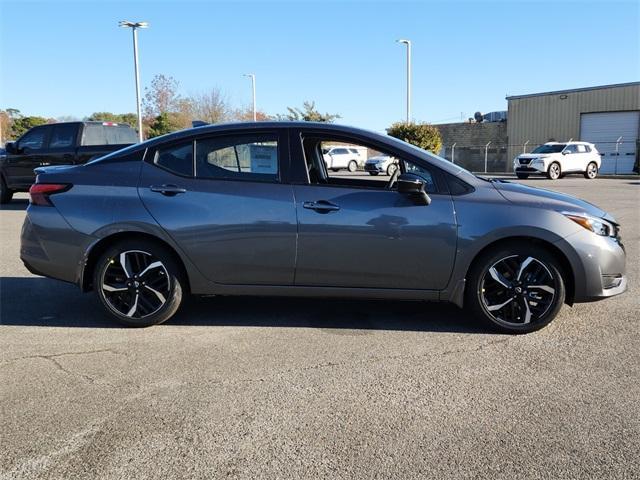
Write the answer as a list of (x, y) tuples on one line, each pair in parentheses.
[(554, 148)]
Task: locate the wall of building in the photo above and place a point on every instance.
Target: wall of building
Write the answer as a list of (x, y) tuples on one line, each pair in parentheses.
[(540, 118), (470, 140)]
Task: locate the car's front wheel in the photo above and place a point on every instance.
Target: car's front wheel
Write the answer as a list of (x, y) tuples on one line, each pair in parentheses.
[(592, 171), (139, 283), (516, 289), (391, 169), (554, 171)]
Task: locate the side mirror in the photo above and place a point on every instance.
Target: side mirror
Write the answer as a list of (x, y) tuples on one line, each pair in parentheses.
[(11, 147), (412, 186), (565, 152)]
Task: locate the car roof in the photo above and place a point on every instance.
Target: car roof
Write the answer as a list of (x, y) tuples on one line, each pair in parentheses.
[(569, 143)]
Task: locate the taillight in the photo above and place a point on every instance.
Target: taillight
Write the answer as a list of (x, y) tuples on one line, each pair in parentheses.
[(39, 192)]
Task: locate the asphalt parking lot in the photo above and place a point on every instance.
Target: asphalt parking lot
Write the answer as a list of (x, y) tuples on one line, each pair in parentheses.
[(276, 388)]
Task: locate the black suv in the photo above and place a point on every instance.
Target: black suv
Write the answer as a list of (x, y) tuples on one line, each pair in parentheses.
[(69, 143)]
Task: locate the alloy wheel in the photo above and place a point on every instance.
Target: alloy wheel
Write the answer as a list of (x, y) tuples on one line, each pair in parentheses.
[(592, 170), (518, 290), (135, 284), (554, 171)]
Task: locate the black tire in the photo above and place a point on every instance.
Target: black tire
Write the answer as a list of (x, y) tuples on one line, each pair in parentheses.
[(522, 307), (554, 172), (373, 173), (142, 295), (522, 176), (592, 171), (391, 169), (6, 194), (335, 169), (352, 166)]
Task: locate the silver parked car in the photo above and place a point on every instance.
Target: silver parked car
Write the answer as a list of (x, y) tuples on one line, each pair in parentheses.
[(381, 164), (249, 209)]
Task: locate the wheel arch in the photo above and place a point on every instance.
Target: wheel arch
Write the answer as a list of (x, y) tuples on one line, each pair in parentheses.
[(565, 264), (104, 243)]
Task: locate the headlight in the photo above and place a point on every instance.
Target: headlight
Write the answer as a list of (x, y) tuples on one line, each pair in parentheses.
[(599, 226)]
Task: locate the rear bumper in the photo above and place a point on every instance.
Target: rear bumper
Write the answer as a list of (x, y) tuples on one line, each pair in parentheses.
[(50, 247)]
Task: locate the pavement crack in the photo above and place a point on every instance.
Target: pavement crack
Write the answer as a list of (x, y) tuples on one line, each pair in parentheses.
[(53, 358)]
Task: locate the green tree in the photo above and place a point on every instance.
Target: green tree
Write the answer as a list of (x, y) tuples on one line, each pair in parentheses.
[(421, 135), (308, 113), (164, 123), (128, 118), (22, 124)]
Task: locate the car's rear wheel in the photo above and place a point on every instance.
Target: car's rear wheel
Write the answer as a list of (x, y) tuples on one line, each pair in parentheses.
[(391, 169), (353, 166), (516, 289), (554, 171), (138, 282), (522, 176), (592, 171), (6, 194)]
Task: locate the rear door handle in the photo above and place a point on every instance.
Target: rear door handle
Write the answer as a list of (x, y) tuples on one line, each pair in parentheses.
[(321, 206), (168, 190)]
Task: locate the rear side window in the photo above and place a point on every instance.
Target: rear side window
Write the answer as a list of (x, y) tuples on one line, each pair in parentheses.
[(176, 158), (581, 148), (251, 157), (97, 134), (63, 136)]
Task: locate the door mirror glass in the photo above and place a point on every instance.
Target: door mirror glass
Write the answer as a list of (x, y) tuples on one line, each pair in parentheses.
[(412, 186), (11, 148)]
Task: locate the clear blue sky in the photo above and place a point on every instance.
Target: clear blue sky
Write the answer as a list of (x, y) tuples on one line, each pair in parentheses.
[(70, 58)]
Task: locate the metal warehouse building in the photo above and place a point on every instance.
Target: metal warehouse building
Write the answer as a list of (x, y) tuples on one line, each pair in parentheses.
[(608, 116)]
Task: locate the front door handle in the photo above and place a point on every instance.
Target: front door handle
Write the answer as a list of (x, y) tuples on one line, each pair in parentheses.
[(321, 206), (168, 190)]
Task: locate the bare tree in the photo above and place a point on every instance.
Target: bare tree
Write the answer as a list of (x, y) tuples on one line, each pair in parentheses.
[(211, 106), (161, 96)]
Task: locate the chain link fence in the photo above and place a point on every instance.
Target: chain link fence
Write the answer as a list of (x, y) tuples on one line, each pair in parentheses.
[(618, 157)]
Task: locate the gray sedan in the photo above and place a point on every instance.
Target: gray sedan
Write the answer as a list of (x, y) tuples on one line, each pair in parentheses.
[(250, 209)]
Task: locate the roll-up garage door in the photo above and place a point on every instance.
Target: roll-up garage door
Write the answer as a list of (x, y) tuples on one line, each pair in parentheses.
[(605, 129)]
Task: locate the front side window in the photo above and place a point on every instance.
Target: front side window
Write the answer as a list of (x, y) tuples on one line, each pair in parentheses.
[(63, 136), (33, 139), (176, 158), (425, 174), (571, 149), (251, 157)]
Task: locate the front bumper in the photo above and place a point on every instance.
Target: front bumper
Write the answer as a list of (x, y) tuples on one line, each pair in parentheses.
[(529, 168), (599, 265), (374, 167)]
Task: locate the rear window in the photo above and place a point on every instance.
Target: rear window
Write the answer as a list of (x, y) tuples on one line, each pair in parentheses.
[(96, 134)]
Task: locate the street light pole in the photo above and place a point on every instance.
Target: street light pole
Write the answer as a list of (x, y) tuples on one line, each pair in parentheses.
[(134, 28), (253, 88), (408, 44)]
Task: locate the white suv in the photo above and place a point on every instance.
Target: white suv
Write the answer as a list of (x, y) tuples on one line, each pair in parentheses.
[(338, 158), (554, 159)]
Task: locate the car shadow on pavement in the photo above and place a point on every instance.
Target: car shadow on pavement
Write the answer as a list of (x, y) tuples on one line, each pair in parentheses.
[(41, 302), (18, 204)]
